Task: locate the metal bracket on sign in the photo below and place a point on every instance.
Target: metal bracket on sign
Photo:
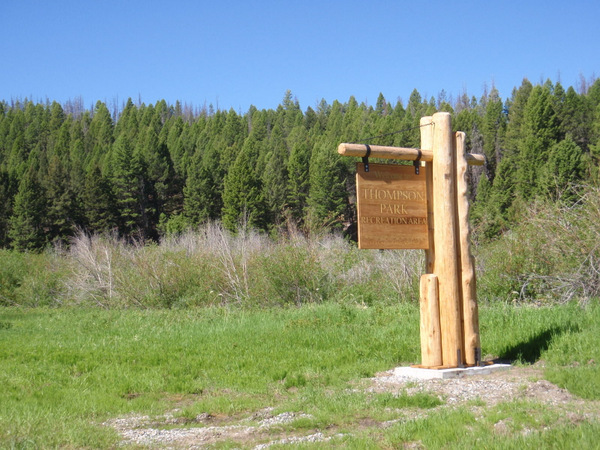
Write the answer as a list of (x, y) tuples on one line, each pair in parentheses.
[(365, 158)]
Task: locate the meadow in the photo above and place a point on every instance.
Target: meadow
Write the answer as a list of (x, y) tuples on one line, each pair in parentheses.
[(66, 372), (212, 328)]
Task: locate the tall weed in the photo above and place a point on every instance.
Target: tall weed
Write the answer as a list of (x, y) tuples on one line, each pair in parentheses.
[(552, 255), (32, 279), (213, 266)]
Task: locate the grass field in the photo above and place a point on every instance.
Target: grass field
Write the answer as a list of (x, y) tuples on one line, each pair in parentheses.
[(64, 372)]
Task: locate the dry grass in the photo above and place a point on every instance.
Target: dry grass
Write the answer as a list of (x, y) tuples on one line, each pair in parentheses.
[(552, 255), (214, 266)]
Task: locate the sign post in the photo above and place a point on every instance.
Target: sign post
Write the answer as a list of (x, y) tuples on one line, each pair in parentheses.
[(403, 208)]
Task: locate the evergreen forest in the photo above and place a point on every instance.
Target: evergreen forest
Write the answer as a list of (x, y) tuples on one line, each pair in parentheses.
[(148, 170)]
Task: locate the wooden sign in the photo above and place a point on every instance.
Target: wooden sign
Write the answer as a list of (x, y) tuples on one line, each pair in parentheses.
[(392, 207)]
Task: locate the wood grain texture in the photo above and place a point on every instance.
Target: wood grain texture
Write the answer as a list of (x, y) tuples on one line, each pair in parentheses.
[(401, 153), (427, 143), (391, 205), (431, 342), (468, 288), (446, 242)]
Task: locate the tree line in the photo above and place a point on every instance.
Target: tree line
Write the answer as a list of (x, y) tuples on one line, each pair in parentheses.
[(148, 170)]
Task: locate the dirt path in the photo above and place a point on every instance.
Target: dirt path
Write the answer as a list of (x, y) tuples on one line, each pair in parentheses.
[(524, 383), (263, 429)]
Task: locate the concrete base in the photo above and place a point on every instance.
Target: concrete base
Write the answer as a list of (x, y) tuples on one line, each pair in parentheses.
[(444, 374)]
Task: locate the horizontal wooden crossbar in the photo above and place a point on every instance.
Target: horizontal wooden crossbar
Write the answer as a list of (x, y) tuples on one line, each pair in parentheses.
[(403, 153)]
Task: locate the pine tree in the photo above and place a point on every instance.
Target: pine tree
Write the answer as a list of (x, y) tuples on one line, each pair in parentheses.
[(494, 124), (29, 212), (159, 174), (99, 138), (574, 115), (298, 181), (275, 178), (6, 199), (60, 202), (291, 113), (352, 121), (175, 145), (243, 202), (497, 201), (516, 110), (98, 203), (540, 132), (202, 200), (564, 168), (381, 105), (328, 198), (129, 187)]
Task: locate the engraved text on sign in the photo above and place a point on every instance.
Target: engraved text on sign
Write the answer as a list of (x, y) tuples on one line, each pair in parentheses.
[(392, 207)]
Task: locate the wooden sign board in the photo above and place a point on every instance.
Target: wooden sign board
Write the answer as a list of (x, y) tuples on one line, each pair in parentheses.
[(392, 207)]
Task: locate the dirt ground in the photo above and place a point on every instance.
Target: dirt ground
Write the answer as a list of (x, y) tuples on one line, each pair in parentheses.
[(263, 429)]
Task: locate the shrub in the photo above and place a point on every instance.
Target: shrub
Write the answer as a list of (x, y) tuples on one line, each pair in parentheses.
[(553, 254), (32, 279)]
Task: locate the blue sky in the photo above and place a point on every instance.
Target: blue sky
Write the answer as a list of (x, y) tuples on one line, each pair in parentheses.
[(233, 54)]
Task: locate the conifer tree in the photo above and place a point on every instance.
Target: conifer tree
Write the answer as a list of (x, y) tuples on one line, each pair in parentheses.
[(98, 203), (158, 174), (129, 187), (99, 138), (497, 201), (291, 113), (298, 181), (540, 131), (275, 178), (352, 122), (516, 107), (310, 119), (494, 123), (61, 208), (203, 189), (327, 200), (243, 202), (565, 167), (574, 115), (175, 145), (381, 105), (29, 212), (6, 199)]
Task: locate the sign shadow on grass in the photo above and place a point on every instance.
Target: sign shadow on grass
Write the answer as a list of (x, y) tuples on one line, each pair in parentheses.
[(530, 350)]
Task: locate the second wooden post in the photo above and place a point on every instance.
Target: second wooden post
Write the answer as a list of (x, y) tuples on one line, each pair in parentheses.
[(445, 237)]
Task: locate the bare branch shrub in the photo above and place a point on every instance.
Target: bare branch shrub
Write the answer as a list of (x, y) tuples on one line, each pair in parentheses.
[(93, 274), (402, 270), (235, 254), (554, 254), (212, 265)]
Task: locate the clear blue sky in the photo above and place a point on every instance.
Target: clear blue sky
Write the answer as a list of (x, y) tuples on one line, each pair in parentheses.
[(241, 53)]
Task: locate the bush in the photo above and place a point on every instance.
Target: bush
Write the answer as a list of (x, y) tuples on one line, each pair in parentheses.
[(32, 279), (553, 254), (213, 266)]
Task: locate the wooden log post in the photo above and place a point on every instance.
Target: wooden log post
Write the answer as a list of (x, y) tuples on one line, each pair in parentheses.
[(427, 144), (400, 153), (448, 301), (445, 236), (431, 340), (468, 289)]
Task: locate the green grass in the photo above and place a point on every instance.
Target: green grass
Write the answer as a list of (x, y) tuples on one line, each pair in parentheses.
[(566, 337), (65, 371), (77, 366)]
